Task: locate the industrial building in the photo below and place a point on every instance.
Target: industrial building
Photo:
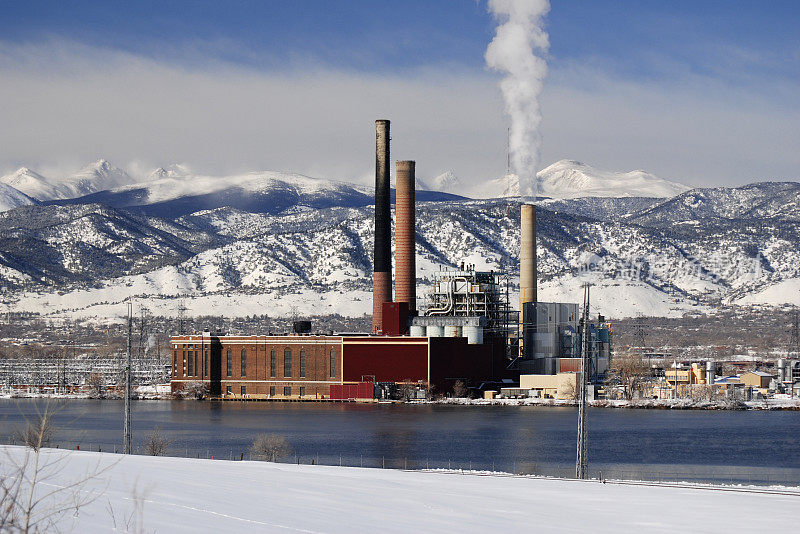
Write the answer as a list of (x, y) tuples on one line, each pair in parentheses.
[(465, 332)]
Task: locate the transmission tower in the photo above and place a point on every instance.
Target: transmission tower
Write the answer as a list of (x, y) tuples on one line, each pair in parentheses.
[(794, 322), (126, 433), (582, 462)]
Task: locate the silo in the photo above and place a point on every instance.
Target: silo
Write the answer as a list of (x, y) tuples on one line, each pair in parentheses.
[(416, 330), (474, 334), (452, 331), (434, 331)]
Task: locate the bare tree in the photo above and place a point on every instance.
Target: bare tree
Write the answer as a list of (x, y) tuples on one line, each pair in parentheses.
[(95, 384), (270, 447), (156, 443), (630, 371), (460, 389), (31, 499)]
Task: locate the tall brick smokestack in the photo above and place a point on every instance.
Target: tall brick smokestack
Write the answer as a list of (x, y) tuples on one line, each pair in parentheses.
[(382, 258), (405, 283)]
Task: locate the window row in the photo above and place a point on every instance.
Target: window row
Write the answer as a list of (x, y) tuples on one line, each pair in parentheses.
[(190, 361), (287, 391), (273, 363)]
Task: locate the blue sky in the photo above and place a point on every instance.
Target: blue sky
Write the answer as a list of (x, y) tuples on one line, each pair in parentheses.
[(703, 92)]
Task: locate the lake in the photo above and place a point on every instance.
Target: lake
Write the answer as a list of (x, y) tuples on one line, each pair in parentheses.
[(757, 446)]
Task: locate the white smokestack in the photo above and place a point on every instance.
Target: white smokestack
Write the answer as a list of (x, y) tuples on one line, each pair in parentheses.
[(517, 50)]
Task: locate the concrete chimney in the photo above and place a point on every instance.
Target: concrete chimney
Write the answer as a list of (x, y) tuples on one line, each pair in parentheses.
[(527, 255), (405, 236), (527, 280), (382, 258)]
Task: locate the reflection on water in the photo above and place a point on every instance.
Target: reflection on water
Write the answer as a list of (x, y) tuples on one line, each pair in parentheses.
[(533, 439)]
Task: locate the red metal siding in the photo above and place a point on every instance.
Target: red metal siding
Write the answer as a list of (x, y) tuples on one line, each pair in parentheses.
[(569, 365), (361, 390), (386, 360), (395, 318)]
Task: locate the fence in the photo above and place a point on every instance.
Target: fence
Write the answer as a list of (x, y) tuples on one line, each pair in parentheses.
[(653, 473)]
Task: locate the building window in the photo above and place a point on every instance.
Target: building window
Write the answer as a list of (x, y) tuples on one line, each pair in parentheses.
[(227, 390), (287, 362), (183, 367), (273, 363), (190, 368), (175, 363), (302, 391), (196, 369), (244, 363), (287, 391), (272, 391), (205, 367), (244, 391), (302, 364), (333, 363), (228, 362)]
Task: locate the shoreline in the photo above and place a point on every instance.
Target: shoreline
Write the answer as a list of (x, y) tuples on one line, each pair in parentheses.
[(787, 404)]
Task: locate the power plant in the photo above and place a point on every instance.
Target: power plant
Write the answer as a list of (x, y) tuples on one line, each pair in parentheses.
[(466, 330)]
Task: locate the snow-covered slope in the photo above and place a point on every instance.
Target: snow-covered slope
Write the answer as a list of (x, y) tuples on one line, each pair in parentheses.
[(11, 198), (447, 182), (94, 177), (97, 176), (31, 183), (163, 494), (573, 179)]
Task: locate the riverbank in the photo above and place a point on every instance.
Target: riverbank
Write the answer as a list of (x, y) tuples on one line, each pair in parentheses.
[(779, 403), (190, 495), (792, 404)]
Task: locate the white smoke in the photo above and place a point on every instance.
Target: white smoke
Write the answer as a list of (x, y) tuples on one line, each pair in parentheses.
[(517, 50)]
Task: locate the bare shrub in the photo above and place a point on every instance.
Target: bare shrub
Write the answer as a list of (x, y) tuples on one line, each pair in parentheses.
[(156, 443), (270, 447), (195, 389), (460, 389), (95, 384), (38, 432)]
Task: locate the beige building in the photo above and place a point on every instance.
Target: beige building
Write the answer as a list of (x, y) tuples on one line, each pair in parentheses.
[(757, 379), (558, 386)]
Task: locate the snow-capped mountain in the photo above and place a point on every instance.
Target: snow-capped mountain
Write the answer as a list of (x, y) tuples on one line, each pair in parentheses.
[(31, 183), (83, 260), (447, 182), (11, 198), (94, 177), (573, 179)]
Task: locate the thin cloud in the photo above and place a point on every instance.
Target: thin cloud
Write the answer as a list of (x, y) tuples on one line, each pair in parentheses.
[(67, 104)]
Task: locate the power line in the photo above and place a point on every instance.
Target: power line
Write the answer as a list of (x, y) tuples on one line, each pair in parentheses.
[(581, 461)]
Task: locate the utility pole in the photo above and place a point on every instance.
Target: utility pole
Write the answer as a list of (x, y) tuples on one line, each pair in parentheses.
[(126, 435), (582, 463)]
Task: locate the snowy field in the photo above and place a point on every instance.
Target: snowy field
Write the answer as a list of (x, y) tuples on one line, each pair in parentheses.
[(165, 494)]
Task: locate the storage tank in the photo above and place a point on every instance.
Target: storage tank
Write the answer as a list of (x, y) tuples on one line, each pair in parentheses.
[(434, 331), (452, 331), (416, 331), (711, 370), (474, 335), (782, 370)]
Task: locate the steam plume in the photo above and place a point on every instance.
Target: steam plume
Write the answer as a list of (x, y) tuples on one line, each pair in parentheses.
[(517, 50)]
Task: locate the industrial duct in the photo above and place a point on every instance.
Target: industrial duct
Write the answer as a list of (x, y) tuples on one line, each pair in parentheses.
[(382, 258), (405, 236)]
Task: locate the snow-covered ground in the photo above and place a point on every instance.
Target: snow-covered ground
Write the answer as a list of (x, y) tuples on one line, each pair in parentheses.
[(189, 495)]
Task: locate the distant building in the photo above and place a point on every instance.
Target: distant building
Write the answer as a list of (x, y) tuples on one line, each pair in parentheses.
[(756, 379)]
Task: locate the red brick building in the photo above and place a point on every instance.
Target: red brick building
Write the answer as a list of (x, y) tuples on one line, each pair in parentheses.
[(305, 366)]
